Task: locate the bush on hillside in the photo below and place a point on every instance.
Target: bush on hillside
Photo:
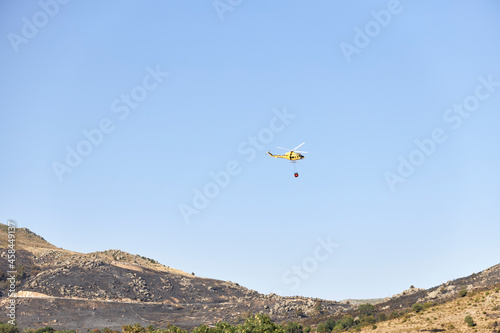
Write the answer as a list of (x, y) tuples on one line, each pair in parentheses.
[(381, 317), (293, 327), (470, 322), (8, 328), (367, 309), (417, 307)]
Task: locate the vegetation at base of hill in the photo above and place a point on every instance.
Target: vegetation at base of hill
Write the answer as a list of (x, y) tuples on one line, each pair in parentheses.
[(366, 316), (256, 323), (7, 328)]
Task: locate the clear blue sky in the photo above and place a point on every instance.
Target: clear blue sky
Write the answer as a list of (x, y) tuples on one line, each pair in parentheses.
[(363, 82)]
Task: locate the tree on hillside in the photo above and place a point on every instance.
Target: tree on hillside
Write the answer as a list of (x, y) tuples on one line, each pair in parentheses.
[(293, 327), (369, 320), (318, 307), (259, 323), (417, 307), (47, 329), (346, 322), (224, 327), (8, 328), (367, 309), (136, 328), (470, 322), (204, 329), (173, 329), (322, 328), (330, 323)]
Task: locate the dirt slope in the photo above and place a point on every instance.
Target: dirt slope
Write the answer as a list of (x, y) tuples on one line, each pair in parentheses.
[(482, 306)]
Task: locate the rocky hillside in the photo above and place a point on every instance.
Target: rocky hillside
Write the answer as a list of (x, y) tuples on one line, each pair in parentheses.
[(489, 279), (68, 290), (483, 308), (447, 291)]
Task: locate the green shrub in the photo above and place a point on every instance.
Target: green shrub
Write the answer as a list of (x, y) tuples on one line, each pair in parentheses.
[(462, 293), (136, 328), (322, 328), (21, 273), (347, 321), (470, 321), (47, 329), (417, 307), (173, 329), (367, 309), (369, 320), (293, 327), (222, 326), (318, 307), (330, 323), (201, 329), (258, 323), (381, 317), (8, 328), (300, 313), (394, 314), (427, 305)]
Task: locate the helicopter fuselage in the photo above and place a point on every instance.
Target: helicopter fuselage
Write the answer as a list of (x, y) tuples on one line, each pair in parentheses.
[(291, 156)]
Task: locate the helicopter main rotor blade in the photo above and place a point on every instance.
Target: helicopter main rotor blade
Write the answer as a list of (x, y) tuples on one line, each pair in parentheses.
[(298, 151), (298, 146)]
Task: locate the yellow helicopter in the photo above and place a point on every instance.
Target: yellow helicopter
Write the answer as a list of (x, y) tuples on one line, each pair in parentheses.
[(292, 155)]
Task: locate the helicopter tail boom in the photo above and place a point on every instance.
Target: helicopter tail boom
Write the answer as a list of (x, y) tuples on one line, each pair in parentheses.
[(269, 153)]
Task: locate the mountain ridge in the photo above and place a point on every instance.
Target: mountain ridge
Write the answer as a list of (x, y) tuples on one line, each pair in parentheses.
[(111, 281), (111, 288)]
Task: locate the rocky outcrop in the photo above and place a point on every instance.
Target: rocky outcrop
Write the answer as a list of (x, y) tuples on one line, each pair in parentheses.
[(118, 288), (444, 292)]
